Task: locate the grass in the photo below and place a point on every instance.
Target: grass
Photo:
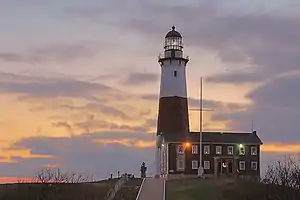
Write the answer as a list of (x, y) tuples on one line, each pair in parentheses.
[(33, 191), (192, 189), (225, 189)]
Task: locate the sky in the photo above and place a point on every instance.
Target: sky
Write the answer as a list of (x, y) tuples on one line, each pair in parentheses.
[(79, 80)]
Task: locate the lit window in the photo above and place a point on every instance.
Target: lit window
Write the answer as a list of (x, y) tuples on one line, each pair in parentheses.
[(194, 149), (218, 149), (206, 149), (194, 164), (230, 150), (242, 165), (241, 149), (180, 149), (254, 151), (254, 165), (206, 165)]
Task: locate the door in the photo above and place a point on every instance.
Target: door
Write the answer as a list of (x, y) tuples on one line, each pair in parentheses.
[(180, 165)]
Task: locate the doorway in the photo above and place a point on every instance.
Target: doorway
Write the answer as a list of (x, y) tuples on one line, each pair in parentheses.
[(224, 167)]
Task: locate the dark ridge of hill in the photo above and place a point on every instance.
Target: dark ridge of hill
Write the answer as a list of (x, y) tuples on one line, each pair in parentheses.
[(130, 190), (64, 191)]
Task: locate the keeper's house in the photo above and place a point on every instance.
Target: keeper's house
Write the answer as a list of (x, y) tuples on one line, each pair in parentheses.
[(223, 154)]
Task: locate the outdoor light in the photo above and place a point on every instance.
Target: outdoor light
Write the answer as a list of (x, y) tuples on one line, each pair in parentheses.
[(187, 144), (162, 145), (241, 146)]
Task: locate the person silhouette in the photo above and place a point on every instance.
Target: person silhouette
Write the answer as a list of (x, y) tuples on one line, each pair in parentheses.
[(143, 170)]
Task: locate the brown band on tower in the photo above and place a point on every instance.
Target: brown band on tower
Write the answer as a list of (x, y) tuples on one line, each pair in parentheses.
[(173, 115)]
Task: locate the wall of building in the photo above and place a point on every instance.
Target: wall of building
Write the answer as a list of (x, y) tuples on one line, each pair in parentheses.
[(189, 157)]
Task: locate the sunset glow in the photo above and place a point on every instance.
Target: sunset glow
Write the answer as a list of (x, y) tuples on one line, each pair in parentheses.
[(80, 81)]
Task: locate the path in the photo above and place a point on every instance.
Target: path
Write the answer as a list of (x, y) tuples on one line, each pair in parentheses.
[(152, 189)]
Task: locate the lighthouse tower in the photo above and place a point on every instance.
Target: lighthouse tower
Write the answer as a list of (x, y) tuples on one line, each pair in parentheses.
[(173, 120)]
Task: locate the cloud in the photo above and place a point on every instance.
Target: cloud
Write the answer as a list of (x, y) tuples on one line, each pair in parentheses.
[(91, 13), (236, 78), (136, 78), (65, 125), (279, 92), (94, 125), (281, 148), (108, 110), (55, 53), (274, 110), (41, 87), (97, 108), (150, 97), (97, 153), (214, 105), (256, 39)]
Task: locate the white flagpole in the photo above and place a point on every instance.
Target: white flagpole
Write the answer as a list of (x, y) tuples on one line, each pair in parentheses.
[(200, 170)]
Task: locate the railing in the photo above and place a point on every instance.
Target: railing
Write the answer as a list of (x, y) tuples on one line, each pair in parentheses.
[(162, 56), (114, 190)]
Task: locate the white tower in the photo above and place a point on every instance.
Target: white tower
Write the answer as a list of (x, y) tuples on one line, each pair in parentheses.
[(173, 119), (173, 105)]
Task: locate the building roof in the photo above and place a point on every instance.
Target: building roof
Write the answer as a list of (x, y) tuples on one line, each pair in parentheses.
[(173, 33), (216, 137)]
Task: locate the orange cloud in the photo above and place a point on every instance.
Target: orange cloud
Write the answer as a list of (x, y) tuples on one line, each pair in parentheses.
[(24, 153), (281, 148), (127, 142)]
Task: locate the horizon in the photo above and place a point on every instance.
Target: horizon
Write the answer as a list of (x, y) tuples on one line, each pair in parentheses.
[(79, 80)]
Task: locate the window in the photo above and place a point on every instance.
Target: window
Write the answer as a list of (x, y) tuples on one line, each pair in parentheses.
[(241, 149), (180, 149), (175, 73), (180, 164), (206, 165), (194, 149), (206, 149), (194, 164), (242, 165), (254, 165), (253, 151), (218, 149), (230, 150)]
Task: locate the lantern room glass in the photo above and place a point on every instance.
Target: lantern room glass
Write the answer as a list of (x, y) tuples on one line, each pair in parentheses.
[(173, 43)]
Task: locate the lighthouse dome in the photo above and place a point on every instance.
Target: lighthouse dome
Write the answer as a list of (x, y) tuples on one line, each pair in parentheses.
[(173, 33)]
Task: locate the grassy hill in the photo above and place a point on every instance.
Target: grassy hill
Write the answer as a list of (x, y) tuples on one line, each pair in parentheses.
[(224, 189), (76, 191), (68, 191)]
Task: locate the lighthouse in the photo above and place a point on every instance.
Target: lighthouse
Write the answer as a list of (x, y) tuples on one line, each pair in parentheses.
[(173, 119), (181, 152), (173, 104)]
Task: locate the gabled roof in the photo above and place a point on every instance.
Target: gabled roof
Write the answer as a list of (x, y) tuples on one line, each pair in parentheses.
[(216, 137)]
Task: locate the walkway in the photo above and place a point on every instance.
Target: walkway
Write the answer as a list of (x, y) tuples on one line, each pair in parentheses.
[(152, 189)]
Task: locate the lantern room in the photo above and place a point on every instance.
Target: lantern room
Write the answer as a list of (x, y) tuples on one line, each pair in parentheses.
[(173, 40)]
